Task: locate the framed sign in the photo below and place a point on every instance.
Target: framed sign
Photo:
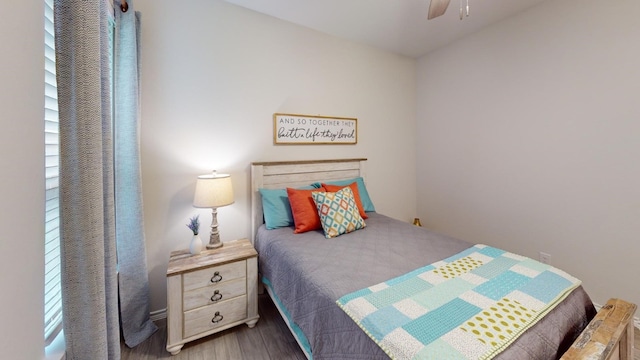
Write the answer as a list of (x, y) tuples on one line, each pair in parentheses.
[(295, 129)]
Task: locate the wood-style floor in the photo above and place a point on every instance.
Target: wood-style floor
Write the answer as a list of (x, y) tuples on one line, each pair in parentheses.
[(270, 339)]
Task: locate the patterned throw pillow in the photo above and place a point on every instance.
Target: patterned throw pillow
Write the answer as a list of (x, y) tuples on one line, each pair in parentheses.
[(338, 212)]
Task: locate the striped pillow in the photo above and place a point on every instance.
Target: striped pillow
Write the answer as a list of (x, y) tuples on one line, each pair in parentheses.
[(338, 212)]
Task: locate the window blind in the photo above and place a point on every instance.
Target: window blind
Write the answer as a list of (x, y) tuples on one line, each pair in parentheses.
[(52, 289)]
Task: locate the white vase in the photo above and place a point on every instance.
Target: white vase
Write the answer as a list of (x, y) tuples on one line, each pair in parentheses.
[(195, 247)]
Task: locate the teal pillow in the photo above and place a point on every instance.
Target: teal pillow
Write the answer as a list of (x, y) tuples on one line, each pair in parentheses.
[(362, 189), (276, 207)]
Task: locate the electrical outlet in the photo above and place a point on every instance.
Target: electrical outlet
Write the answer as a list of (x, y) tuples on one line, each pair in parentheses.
[(544, 257)]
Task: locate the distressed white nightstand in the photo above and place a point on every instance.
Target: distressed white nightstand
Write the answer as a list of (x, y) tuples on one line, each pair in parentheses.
[(210, 292)]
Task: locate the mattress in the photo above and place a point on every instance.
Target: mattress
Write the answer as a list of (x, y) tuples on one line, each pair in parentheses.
[(308, 273)]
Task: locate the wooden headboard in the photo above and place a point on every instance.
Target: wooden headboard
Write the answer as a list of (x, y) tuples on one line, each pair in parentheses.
[(283, 174)]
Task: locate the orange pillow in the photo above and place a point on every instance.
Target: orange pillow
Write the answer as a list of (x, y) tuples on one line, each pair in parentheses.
[(305, 213), (356, 195)]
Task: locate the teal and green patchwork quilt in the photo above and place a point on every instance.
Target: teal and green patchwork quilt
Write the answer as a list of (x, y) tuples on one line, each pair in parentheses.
[(469, 306)]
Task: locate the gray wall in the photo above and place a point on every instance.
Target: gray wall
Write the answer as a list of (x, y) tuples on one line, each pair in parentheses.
[(529, 139), (22, 190), (214, 73)]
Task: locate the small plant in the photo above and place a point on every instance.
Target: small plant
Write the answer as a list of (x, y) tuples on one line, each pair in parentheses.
[(194, 224)]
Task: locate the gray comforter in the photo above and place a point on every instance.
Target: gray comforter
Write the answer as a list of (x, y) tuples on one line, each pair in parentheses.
[(308, 273)]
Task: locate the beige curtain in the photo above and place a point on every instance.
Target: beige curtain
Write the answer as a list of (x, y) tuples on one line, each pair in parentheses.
[(87, 228), (132, 258)]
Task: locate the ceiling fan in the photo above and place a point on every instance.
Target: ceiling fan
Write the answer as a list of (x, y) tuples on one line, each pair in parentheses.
[(438, 7)]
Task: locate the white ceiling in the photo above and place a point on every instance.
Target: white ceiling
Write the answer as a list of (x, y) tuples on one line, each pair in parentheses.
[(399, 26)]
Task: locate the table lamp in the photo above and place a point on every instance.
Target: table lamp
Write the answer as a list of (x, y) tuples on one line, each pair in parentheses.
[(213, 191)]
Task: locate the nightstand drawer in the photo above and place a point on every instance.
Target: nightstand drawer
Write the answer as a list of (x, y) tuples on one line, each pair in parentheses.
[(214, 294), (214, 275), (216, 315)]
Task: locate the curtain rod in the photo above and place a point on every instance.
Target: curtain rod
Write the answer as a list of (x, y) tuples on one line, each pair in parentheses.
[(124, 6)]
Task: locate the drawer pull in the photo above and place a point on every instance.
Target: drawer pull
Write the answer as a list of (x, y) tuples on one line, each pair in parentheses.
[(216, 296), (216, 277), (217, 317)]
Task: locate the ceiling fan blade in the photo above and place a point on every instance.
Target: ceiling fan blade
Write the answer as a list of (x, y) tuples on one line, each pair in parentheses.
[(437, 8)]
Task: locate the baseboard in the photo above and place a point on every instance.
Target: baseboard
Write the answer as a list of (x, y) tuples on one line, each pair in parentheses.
[(158, 315)]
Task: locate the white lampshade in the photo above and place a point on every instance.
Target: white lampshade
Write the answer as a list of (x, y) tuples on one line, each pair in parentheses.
[(213, 190)]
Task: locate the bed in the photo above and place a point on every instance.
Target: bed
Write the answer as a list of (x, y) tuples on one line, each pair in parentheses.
[(305, 274)]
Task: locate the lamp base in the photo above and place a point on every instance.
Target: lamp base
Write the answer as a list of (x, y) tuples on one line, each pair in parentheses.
[(214, 246), (214, 237)]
